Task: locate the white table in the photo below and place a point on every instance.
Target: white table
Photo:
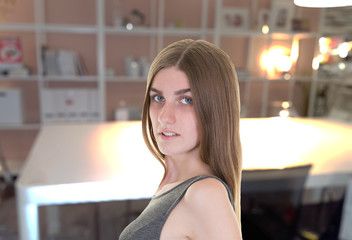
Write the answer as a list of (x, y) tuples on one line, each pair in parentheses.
[(104, 162), (84, 163)]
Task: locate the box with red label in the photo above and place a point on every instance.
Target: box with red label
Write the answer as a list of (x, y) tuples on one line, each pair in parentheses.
[(11, 54)]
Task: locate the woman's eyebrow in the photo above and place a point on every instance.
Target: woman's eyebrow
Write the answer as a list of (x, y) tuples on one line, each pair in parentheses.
[(155, 90), (182, 91), (178, 92)]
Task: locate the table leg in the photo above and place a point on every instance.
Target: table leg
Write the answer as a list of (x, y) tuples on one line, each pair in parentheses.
[(28, 221)]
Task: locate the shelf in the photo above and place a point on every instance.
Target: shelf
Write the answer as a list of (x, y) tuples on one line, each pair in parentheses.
[(341, 82), (23, 126), (336, 31), (84, 29), (135, 31), (17, 27), (186, 31), (59, 28), (274, 35), (71, 78), (19, 78), (126, 79), (155, 31), (65, 28), (198, 31), (92, 78)]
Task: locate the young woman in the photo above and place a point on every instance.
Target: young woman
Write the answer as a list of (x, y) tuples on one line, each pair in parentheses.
[(191, 124)]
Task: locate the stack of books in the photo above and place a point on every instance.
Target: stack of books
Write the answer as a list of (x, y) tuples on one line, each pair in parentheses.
[(70, 105), (62, 63)]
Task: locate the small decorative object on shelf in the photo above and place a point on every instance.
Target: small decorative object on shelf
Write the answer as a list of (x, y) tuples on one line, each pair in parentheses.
[(11, 57), (337, 19), (300, 25), (125, 113), (117, 18), (263, 20), (234, 19), (10, 106), (135, 19), (281, 16), (136, 67)]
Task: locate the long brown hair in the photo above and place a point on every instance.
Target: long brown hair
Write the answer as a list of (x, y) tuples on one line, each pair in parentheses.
[(215, 92)]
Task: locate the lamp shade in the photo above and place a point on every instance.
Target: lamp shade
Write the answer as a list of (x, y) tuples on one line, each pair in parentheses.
[(323, 3)]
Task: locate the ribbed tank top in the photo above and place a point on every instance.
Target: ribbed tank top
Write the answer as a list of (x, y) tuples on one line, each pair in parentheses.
[(151, 221)]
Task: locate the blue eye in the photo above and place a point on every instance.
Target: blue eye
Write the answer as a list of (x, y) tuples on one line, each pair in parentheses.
[(186, 100), (158, 98)]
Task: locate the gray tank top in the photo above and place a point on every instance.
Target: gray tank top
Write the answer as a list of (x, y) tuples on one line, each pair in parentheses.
[(151, 221)]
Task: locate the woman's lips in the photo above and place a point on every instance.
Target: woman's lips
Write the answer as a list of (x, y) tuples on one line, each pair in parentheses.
[(167, 134)]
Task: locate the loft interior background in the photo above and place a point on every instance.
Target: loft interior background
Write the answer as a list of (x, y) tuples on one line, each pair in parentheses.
[(85, 61)]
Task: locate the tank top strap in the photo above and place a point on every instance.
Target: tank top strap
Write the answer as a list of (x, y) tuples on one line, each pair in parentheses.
[(186, 184)]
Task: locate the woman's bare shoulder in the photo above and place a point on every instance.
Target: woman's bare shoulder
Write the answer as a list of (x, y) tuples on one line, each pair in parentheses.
[(209, 206), (207, 188)]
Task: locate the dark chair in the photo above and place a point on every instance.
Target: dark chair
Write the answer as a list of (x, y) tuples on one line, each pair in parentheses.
[(271, 202)]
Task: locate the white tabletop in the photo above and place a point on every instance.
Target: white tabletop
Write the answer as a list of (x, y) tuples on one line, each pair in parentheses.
[(108, 161), (89, 162), (283, 142)]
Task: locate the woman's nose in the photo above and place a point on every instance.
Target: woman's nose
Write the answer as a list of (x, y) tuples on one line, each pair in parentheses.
[(167, 114)]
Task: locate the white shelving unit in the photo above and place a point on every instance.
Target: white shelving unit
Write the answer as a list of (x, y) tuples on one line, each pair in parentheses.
[(157, 34)]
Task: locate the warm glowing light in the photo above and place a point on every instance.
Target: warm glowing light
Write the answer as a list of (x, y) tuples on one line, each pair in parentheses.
[(343, 49), (342, 66), (285, 64), (287, 76), (284, 113), (315, 63), (320, 58), (323, 41), (294, 50), (129, 26), (285, 104), (265, 29), (323, 45), (276, 60)]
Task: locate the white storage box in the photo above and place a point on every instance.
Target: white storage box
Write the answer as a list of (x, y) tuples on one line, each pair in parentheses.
[(10, 106)]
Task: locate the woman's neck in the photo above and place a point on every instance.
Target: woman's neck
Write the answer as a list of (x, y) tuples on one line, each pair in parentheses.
[(181, 169)]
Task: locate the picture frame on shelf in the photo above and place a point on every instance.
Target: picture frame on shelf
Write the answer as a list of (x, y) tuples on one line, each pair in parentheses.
[(263, 18), (234, 19), (281, 16), (337, 19)]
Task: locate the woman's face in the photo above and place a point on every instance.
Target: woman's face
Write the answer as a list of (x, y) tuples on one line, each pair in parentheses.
[(175, 125)]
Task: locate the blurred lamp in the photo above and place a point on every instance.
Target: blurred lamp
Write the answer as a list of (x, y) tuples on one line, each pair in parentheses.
[(323, 3), (275, 60)]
